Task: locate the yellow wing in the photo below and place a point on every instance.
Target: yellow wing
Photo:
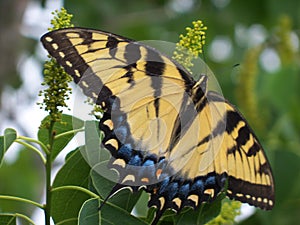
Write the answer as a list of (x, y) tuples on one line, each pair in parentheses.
[(227, 148), (164, 131)]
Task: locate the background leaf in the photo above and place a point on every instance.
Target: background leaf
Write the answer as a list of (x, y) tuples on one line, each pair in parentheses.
[(68, 123), (7, 219), (6, 141), (23, 177), (92, 151), (67, 203)]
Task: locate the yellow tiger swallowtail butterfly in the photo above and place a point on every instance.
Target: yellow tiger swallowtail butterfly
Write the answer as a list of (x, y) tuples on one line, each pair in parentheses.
[(166, 133)]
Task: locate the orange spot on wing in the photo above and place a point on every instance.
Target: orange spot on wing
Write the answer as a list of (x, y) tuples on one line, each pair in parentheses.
[(158, 173), (145, 179)]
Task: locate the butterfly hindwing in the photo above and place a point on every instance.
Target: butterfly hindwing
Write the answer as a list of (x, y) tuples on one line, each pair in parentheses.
[(165, 132), (250, 177)]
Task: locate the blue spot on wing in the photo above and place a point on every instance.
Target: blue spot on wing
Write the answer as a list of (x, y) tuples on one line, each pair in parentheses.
[(184, 191), (171, 190), (198, 186), (125, 152), (136, 160), (148, 162), (210, 181), (163, 185)]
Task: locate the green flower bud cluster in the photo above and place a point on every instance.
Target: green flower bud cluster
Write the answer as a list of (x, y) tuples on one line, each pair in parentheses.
[(57, 91), (229, 210), (190, 45), (61, 20), (285, 46), (55, 78)]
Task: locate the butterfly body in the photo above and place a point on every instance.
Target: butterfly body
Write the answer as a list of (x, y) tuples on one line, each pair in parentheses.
[(167, 133)]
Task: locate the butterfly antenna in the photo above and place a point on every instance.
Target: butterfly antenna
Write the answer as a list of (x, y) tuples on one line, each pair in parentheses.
[(204, 59), (114, 190)]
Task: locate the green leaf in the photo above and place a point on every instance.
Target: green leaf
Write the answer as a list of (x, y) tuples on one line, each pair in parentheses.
[(68, 123), (7, 219), (6, 141), (67, 203), (89, 213), (109, 215), (141, 207), (92, 151)]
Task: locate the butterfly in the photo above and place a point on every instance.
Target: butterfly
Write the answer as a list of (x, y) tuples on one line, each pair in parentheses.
[(167, 134)]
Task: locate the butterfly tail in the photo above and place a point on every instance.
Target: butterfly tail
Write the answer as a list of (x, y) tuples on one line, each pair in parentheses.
[(114, 190), (158, 215)]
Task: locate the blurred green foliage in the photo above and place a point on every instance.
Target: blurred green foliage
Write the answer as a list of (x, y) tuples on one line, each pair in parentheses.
[(269, 99)]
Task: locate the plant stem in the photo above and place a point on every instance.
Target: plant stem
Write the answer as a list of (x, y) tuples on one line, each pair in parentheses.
[(45, 149), (78, 188), (48, 190), (48, 175), (8, 197), (25, 218), (29, 146), (69, 132)]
